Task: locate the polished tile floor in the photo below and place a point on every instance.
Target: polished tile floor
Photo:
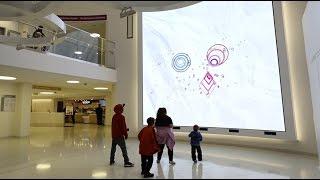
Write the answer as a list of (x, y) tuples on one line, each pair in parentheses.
[(83, 152)]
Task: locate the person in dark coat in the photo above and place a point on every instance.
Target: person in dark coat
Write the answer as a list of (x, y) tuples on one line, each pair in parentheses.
[(99, 112), (196, 137)]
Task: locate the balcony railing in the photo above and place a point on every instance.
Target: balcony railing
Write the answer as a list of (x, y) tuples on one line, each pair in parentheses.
[(75, 43)]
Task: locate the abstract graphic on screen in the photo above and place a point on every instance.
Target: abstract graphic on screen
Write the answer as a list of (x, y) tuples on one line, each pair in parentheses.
[(217, 54), (214, 64), (181, 62)]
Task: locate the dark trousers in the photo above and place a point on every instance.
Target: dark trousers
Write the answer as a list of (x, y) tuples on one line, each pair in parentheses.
[(146, 163), (170, 153), (99, 120), (193, 153), (122, 143)]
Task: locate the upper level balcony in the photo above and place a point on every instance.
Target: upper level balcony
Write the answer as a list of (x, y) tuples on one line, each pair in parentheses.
[(75, 43), (75, 53)]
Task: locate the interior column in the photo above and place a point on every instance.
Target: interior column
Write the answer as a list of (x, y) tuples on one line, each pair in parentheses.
[(22, 126)]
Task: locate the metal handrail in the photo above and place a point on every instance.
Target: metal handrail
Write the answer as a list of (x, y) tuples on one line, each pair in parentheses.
[(52, 32)]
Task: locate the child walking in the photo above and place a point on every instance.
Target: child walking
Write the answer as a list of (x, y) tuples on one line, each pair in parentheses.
[(148, 146), (196, 137), (119, 134)]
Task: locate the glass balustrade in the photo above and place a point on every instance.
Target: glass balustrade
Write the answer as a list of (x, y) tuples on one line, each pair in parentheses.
[(75, 43)]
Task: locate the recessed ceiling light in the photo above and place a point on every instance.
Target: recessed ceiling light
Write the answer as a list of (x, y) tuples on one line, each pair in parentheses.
[(101, 88), (98, 174), (95, 35), (7, 78), (73, 82), (43, 166), (78, 52), (47, 93)]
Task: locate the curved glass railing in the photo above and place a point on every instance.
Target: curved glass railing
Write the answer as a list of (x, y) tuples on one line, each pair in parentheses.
[(75, 43), (81, 45)]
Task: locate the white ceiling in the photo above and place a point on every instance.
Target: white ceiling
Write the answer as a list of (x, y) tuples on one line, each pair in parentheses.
[(101, 7), (24, 9), (149, 5), (142, 3), (57, 80), (10, 10)]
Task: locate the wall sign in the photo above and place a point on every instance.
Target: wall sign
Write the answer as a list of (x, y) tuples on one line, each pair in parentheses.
[(130, 27), (8, 103), (85, 102), (83, 18)]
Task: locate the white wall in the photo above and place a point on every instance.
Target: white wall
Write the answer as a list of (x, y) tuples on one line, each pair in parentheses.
[(109, 109), (43, 105), (9, 25), (24, 30), (311, 29), (46, 119), (16, 123), (301, 97), (7, 119), (126, 90), (24, 110)]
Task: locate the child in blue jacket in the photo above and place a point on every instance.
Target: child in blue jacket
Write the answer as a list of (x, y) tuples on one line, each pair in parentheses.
[(196, 137)]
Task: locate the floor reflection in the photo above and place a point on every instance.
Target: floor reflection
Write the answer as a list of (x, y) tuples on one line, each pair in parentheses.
[(83, 152), (197, 171)]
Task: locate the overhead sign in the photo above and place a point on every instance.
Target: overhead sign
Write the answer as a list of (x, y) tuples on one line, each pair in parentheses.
[(46, 88), (86, 102), (83, 18)]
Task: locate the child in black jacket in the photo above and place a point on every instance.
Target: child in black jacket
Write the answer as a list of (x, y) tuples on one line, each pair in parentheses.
[(196, 137)]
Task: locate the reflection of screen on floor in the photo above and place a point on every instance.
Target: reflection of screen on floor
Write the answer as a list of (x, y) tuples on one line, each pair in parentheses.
[(214, 64)]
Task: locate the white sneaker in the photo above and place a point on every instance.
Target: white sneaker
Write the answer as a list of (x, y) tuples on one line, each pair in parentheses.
[(172, 162)]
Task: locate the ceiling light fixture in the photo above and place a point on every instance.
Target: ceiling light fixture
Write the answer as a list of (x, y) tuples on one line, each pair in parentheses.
[(7, 78), (47, 93), (78, 52), (99, 174), (43, 166), (73, 82), (101, 88), (95, 35)]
